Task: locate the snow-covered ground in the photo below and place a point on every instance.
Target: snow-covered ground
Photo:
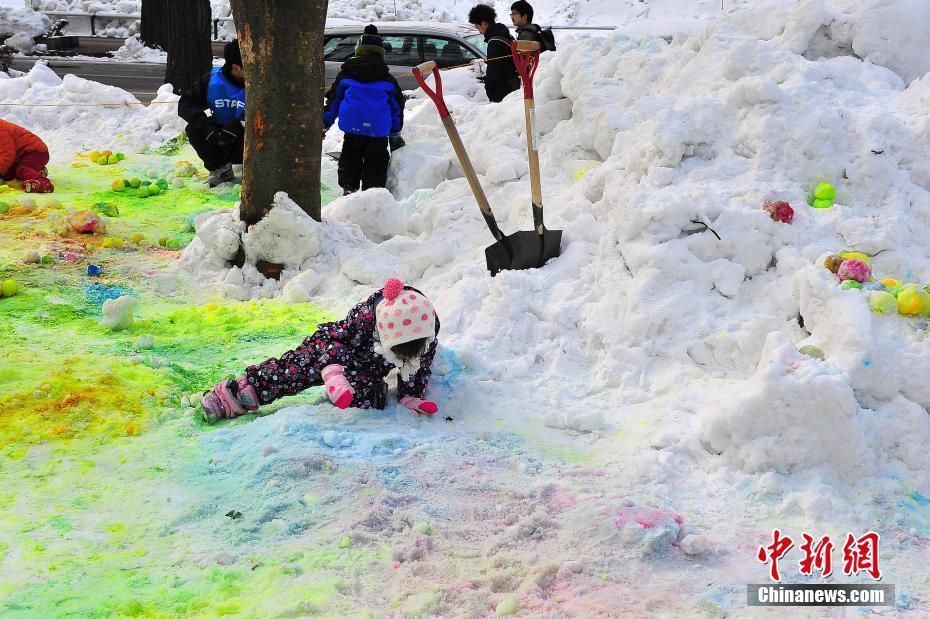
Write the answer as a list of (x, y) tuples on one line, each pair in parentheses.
[(662, 356)]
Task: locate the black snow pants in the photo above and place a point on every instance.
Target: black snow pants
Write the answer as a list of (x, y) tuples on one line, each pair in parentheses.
[(214, 157), (364, 160)]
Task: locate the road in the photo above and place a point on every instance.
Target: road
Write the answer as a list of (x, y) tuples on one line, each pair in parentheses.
[(141, 79)]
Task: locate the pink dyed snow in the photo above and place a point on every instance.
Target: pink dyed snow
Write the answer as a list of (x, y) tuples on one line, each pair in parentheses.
[(780, 211), (646, 517), (856, 270)]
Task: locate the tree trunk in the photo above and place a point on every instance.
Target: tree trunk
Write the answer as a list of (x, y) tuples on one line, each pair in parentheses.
[(190, 51), (282, 50), (155, 23)]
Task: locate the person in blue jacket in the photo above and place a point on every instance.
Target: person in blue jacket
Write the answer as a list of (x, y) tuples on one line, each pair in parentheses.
[(219, 138), (369, 105)]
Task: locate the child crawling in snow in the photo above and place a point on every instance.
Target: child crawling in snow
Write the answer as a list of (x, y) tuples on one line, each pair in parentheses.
[(23, 156), (394, 328)]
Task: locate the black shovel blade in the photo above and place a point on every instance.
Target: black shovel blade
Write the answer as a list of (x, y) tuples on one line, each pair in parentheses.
[(523, 250)]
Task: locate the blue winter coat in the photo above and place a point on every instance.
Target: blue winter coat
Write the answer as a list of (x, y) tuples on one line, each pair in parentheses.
[(365, 98), (226, 100)]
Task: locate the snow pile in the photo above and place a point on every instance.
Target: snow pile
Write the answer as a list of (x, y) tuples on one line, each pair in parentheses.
[(797, 413), (134, 51), (891, 33), (25, 24), (650, 150), (111, 117)]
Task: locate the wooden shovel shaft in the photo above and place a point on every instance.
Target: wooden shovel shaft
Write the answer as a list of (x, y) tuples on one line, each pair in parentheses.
[(535, 176), (472, 177)]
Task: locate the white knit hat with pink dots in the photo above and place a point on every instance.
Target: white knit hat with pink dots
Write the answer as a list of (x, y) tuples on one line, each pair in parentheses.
[(404, 316)]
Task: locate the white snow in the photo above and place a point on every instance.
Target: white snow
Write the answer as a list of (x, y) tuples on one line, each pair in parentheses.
[(51, 106), (673, 352), (642, 144)]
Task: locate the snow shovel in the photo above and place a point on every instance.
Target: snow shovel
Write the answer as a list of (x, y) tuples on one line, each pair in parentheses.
[(535, 248), (500, 255)]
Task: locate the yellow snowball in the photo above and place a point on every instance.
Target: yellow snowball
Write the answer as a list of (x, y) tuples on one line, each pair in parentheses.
[(912, 301)]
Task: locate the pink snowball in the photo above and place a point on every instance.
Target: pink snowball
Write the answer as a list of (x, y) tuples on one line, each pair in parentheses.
[(856, 270)]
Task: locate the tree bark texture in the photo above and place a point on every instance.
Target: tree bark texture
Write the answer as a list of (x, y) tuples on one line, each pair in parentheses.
[(155, 23), (282, 50), (190, 51)]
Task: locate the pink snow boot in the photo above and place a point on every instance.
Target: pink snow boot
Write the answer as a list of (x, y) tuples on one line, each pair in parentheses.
[(228, 399), (417, 406), (337, 387)]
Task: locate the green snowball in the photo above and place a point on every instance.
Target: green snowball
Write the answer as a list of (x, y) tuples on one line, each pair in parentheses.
[(507, 606), (135, 183), (154, 190), (4, 207), (146, 183), (824, 191), (143, 192), (822, 203), (882, 302), (162, 183), (812, 351), (120, 156), (9, 288), (850, 284)]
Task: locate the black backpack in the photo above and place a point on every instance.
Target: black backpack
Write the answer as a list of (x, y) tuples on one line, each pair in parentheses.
[(546, 39)]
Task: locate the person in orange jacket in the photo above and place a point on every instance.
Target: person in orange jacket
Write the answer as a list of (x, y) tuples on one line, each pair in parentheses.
[(23, 156)]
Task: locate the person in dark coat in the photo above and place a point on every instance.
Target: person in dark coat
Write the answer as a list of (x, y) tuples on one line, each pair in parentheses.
[(521, 14), (369, 105), (396, 327), (501, 77), (219, 139)]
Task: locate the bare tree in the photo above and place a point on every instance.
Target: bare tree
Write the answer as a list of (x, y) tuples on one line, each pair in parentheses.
[(282, 54), (190, 49), (155, 23)]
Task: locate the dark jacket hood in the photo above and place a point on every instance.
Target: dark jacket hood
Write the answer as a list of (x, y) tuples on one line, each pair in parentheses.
[(366, 68), (497, 29)]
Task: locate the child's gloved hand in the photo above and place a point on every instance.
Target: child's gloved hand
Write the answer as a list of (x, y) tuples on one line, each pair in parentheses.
[(337, 387), (395, 141), (228, 399), (417, 406)]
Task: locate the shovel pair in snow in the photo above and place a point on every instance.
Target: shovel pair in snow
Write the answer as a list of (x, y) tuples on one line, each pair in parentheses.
[(521, 250)]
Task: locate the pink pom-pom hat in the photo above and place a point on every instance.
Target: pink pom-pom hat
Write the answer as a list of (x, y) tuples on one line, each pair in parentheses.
[(404, 315)]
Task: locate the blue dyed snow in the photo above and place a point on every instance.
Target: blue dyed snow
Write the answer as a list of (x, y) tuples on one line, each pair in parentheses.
[(457, 368), (96, 294), (919, 498)]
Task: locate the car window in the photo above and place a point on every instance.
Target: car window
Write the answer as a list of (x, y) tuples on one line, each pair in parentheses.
[(402, 50), (477, 41), (446, 53), (340, 48)]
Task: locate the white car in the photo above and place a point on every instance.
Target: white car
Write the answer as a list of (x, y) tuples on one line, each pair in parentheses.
[(407, 44)]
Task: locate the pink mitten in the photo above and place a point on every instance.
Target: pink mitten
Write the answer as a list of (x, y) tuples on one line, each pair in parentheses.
[(416, 405), (337, 387)]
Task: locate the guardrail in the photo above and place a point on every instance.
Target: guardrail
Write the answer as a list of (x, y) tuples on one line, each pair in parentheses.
[(216, 20), (137, 16)]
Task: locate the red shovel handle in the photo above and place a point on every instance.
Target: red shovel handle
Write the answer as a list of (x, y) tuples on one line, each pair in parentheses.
[(435, 95), (526, 59)]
